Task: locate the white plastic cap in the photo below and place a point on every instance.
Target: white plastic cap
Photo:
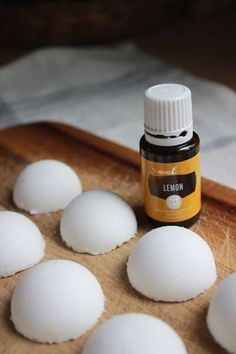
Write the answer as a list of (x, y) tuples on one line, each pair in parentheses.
[(168, 114)]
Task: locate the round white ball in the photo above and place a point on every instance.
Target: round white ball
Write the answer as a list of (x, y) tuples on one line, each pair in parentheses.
[(171, 263), (46, 186), (56, 301), (221, 316), (134, 333), (21, 243), (97, 221)]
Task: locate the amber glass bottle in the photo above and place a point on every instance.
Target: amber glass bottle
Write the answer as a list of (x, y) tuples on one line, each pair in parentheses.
[(170, 157)]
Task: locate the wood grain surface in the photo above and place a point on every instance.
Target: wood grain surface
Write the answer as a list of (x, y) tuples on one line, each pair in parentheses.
[(43, 22), (102, 164)]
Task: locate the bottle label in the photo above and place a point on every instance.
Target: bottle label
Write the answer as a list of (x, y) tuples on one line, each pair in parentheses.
[(172, 191)]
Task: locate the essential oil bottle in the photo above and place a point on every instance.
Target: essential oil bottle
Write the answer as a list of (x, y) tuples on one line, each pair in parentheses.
[(170, 157)]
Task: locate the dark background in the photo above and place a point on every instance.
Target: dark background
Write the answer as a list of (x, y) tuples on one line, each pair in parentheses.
[(199, 36)]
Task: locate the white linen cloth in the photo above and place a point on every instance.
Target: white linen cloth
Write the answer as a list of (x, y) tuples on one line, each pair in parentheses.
[(100, 89)]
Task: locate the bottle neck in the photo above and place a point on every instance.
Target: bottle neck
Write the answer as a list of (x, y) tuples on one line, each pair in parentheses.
[(171, 140)]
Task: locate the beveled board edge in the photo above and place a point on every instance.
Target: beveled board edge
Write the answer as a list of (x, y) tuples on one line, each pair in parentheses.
[(210, 188)]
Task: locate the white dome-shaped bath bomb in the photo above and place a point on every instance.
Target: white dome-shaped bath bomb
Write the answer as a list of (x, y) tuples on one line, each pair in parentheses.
[(56, 301), (171, 263), (134, 333), (221, 318), (97, 221), (46, 186), (21, 243)]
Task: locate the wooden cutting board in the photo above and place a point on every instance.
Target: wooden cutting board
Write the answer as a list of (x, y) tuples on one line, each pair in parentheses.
[(102, 164)]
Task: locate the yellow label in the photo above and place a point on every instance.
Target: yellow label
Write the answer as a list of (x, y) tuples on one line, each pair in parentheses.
[(172, 191)]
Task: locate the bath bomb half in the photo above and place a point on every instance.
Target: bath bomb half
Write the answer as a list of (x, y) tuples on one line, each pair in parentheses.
[(21, 243), (171, 263), (221, 316), (134, 333), (56, 301), (97, 221), (46, 186)]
